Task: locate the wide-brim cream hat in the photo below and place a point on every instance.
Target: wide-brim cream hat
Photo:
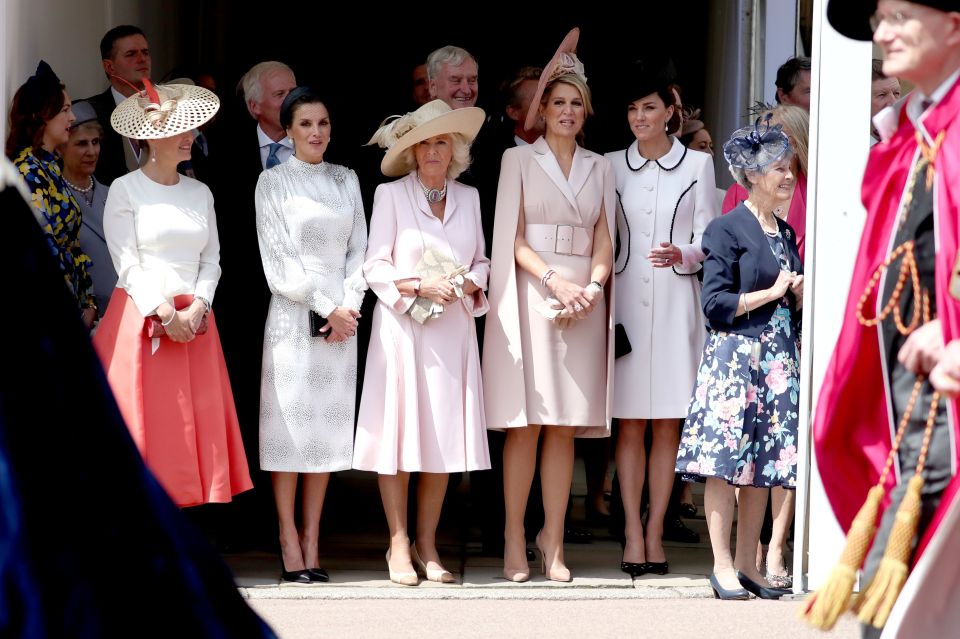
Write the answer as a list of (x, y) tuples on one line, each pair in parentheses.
[(563, 62), (432, 119), (163, 111)]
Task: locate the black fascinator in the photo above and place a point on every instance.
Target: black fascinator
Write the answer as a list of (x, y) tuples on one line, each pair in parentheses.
[(39, 86), (754, 147)]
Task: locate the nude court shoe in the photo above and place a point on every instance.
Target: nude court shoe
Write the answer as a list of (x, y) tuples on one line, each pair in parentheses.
[(559, 574), (402, 578), (440, 576), (516, 575)]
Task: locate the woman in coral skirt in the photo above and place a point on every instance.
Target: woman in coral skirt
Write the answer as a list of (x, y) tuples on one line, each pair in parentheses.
[(158, 341)]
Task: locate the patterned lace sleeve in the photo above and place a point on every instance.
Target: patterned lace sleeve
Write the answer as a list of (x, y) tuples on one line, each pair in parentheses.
[(281, 262)]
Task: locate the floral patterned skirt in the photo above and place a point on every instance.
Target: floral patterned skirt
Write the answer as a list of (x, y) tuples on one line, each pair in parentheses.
[(742, 422)]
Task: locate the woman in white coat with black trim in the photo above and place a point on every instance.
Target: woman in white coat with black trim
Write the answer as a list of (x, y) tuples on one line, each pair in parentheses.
[(666, 198)]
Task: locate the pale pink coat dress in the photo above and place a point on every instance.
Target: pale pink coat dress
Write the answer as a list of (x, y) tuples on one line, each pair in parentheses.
[(422, 403)]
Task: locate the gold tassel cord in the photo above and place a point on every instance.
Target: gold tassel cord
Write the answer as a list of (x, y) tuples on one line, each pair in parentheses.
[(929, 155), (833, 598), (873, 606)]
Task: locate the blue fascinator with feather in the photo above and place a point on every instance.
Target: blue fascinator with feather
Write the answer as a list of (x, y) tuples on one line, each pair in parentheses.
[(754, 147)]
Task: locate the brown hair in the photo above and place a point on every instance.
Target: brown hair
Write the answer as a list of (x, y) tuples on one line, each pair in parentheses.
[(27, 126)]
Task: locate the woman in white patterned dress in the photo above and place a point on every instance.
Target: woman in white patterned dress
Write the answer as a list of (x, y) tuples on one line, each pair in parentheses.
[(312, 235)]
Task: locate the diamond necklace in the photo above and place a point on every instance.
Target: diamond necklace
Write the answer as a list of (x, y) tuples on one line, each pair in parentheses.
[(433, 195)]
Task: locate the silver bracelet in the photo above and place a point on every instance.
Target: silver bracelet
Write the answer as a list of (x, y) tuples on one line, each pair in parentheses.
[(546, 277), (169, 321), (746, 309), (205, 301)]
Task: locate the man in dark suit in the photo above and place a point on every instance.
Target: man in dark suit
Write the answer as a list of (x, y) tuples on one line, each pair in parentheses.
[(242, 294), (125, 56)]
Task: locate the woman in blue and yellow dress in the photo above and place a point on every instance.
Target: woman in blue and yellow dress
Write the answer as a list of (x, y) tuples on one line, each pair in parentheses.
[(40, 120)]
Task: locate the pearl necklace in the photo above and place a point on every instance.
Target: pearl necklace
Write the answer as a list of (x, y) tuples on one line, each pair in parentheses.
[(77, 188), (433, 195)]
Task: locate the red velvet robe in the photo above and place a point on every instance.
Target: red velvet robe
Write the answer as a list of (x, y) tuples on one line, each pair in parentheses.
[(853, 428)]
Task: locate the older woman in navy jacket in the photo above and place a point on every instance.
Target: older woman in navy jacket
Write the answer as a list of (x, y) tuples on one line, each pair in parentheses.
[(741, 427)]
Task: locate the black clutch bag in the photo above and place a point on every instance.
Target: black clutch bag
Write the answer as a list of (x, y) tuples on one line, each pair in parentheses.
[(316, 323), (621, 343)]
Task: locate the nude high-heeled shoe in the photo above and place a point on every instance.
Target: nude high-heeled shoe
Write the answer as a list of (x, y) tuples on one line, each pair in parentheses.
[(440, 576), (559, 574), (402, 578), (516, 575)]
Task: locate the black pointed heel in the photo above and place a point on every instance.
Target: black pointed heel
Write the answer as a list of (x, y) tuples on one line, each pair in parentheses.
[(317, 575), (719, 592), (760, 591), (633, 569), (293, 576)]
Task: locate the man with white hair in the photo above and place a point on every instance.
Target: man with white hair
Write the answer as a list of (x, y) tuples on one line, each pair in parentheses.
[(876, 406), (242, 295), (264, 88), (452, 74)]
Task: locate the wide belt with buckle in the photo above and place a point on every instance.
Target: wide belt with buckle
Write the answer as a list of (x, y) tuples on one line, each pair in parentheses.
[(562, 239)]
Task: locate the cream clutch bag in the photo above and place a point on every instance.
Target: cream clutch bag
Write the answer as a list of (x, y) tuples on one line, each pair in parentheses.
[(434, 263)]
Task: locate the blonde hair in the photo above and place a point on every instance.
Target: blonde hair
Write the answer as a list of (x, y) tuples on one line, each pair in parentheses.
[(458, 163), (796, 124), (577, 83)]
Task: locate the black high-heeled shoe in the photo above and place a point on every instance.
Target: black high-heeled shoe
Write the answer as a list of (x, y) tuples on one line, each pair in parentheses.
[(760, 591), (719, 592), (634, 569), (293, 576), (318, 575), (657, 567)]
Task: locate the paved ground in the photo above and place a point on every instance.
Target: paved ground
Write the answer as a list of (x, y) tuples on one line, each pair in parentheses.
[(484, 619), (360, 601)]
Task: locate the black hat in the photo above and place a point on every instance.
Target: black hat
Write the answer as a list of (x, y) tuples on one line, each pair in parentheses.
[(650, 74), (851, 18), (39, 86)]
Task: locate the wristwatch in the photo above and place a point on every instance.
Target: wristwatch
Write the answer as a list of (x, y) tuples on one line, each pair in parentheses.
[(416, 287)]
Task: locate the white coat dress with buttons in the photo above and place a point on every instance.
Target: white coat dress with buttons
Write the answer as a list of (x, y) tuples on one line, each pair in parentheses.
[(671, 199)]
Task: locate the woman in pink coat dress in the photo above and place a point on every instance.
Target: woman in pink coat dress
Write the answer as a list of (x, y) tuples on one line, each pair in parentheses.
[(422, 403), (548, 354)]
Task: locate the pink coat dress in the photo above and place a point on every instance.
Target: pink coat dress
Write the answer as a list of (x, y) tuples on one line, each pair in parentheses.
[(535, 372), (422, 403)]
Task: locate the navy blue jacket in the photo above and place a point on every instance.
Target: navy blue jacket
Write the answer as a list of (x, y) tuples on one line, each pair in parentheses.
[(739, 260)]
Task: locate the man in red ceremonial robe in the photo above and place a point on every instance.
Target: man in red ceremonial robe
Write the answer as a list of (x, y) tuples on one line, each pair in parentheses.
[(911, 190)]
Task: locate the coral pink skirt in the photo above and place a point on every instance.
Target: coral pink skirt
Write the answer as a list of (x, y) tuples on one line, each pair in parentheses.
[(177, 403)]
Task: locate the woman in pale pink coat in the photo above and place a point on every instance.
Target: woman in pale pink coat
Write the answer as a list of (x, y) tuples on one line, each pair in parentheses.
[(422, 403), (548, 346)]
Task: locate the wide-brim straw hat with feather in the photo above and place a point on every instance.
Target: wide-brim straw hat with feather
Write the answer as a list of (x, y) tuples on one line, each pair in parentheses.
[(398, 133), (163, 111), (563, 62)]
